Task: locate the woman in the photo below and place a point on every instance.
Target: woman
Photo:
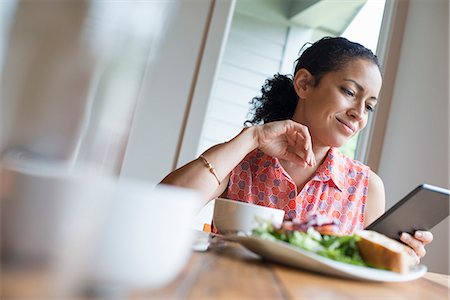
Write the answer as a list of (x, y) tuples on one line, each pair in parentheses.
[(289, 158)]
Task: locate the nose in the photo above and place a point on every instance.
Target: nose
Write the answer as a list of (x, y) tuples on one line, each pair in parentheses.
[(357, 111)]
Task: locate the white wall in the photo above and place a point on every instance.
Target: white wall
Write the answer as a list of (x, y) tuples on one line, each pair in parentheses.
[(171, 109), (253, 52), (212, 53), (416, 144), (160, 113)]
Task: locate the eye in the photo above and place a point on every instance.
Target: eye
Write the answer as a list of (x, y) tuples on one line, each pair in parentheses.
[(348, 92), (370, 108)]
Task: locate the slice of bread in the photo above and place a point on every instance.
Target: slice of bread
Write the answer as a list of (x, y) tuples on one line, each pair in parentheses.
[(382, 252)]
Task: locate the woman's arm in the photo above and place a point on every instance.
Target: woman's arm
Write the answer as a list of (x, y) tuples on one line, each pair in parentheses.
[(375, 202), (223, 158), (283, 139)]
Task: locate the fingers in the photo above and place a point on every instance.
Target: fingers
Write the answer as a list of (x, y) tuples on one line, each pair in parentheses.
[(425, 237), (416, 245), (300, 148), (300, 139), (415, 259), (287, 140), (307, 146)]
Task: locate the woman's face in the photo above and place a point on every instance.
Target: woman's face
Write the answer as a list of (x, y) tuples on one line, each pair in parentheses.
[(339, 106)]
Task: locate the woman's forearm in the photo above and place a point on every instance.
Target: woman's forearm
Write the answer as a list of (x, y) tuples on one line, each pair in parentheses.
[(223, 158)]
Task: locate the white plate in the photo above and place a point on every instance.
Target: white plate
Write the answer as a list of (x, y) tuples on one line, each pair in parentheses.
[(287, 254)]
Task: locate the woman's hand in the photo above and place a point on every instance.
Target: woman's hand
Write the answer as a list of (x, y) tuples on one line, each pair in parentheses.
[(417, 243), (287, 140)]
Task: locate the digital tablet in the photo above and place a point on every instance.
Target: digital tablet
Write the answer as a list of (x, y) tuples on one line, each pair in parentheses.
[(422, 209)]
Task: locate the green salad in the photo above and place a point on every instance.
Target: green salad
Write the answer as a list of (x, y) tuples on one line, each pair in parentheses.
[(339, 248)]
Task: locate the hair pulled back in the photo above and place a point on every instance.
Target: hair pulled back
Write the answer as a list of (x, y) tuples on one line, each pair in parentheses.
[(278, 98)]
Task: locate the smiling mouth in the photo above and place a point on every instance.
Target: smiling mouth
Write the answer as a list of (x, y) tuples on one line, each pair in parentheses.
[(348, 126)]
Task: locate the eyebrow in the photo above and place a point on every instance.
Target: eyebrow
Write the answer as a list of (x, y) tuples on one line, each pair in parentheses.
[(360, 87)]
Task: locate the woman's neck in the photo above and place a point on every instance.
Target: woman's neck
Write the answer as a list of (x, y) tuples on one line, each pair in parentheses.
[(301, 175), (320, 152)]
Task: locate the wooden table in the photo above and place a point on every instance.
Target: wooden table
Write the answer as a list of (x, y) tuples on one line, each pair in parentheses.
[(229, 271)]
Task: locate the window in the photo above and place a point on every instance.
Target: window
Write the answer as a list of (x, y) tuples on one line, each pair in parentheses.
[(364, 29), (260, 45)]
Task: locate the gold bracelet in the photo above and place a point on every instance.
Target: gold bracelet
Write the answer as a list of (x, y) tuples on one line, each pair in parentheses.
[(210, 168)]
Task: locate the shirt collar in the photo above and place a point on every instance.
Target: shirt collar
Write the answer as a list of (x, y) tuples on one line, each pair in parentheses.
[(332, 169), (264, 162)]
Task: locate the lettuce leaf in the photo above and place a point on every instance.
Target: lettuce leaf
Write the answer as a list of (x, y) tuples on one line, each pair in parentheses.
[(339, 248)]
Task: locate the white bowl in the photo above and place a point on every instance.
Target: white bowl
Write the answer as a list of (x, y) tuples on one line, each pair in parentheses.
[(232, 216)]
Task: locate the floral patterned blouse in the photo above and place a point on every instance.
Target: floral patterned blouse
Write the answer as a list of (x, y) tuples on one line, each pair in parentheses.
[(338, 189)]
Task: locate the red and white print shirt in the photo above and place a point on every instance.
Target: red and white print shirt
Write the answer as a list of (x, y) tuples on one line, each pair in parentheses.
[(338, 188)]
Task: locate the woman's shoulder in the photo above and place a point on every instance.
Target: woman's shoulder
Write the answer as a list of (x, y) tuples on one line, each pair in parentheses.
[(350, 163), (258, 157), (255, 162)]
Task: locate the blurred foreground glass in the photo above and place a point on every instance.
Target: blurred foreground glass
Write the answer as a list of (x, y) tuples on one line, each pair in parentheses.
[(79, 231), (72, 72)]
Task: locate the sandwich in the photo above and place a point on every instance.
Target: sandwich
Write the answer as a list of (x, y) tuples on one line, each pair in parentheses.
[(321, 236), (379, 251)]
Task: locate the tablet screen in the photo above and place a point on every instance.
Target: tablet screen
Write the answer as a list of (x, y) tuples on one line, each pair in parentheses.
[(422, 209)]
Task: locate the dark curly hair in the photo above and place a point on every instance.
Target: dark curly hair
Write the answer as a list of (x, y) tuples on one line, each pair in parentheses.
[(278, 98)]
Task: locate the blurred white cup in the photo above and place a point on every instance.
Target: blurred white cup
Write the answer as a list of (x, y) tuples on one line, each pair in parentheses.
[(90, 230), (39, 201), (230, 216), (51, 214), (147, 237)]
